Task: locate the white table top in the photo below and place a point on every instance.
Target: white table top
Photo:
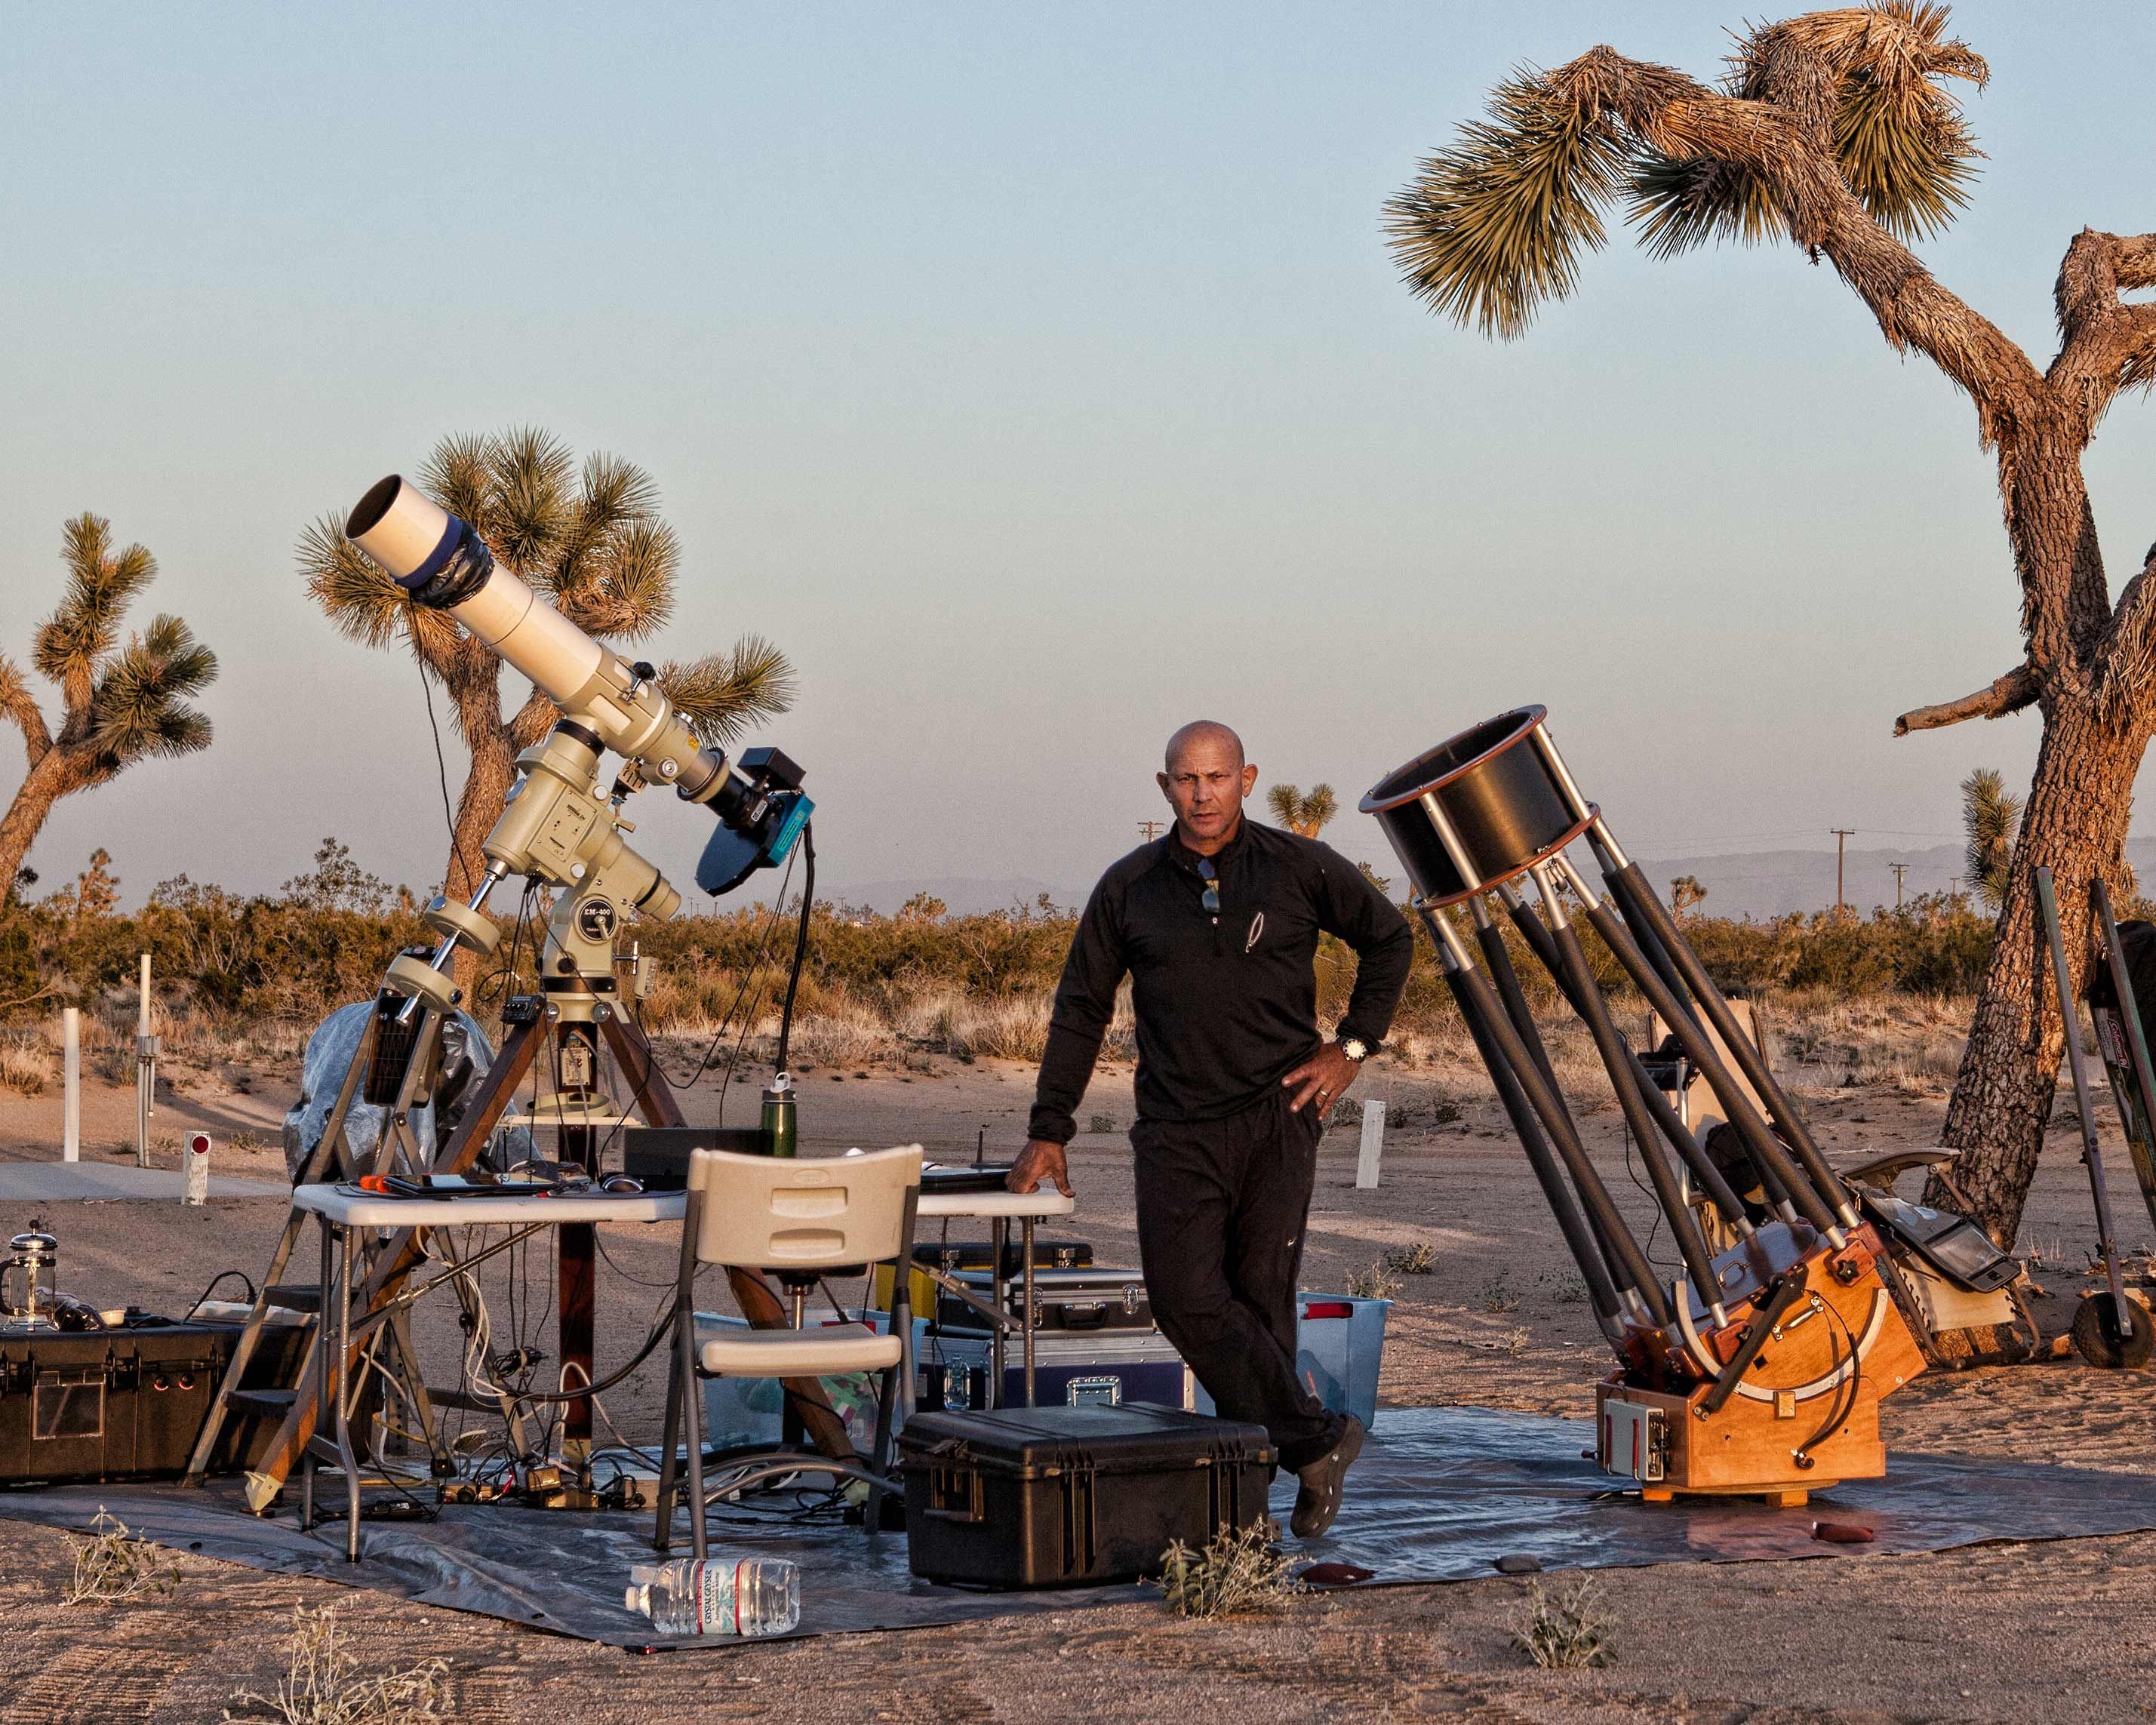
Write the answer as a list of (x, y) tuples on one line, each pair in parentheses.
[(347, 1209)]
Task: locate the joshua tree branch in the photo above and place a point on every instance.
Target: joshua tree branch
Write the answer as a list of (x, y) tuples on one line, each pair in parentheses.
[(2104, 345), (2005, 694), (1785, 140), (2126, 663), (20, 707)]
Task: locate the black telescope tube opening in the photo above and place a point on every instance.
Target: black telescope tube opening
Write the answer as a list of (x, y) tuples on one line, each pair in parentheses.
[(367, 514)]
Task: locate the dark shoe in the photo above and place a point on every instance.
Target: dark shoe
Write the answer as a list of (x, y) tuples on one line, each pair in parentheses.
[(1319, 1500)]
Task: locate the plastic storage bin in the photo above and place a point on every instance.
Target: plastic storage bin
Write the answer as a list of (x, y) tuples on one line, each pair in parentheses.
[(739, 1412), (1340, 1343)]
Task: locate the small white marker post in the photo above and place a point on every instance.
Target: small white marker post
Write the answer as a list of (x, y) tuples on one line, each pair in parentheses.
[(71, 1084), (1373, 1145), (198, 1190), (146, 1074)]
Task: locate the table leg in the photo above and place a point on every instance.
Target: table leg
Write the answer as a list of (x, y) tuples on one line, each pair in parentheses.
[(322, 1376), (578, 1295), (346, 1459), (999, 1239), (1026, 1271)]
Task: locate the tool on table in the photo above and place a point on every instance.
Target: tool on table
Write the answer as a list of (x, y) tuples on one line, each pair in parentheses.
[(1760, 1368), (2109, 1329)]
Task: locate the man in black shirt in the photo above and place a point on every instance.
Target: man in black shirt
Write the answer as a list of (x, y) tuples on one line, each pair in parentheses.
[(1217, 925)]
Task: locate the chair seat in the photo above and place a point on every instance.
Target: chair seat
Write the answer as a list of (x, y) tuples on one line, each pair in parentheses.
[(798, 1353)]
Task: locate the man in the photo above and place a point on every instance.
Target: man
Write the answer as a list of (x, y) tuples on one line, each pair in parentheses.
[(1217, 925)]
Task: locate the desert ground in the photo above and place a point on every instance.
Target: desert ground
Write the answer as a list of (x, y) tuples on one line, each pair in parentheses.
[(2063, 1631)]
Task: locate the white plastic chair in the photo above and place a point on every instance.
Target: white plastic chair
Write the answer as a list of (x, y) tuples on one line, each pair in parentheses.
[(787, 1214)]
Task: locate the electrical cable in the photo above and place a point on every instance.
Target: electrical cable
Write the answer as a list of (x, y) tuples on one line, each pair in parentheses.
[(800, 941), (441, 765), (252, 1293)]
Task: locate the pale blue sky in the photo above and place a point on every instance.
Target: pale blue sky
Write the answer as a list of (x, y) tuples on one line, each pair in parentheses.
[(1037, 377)]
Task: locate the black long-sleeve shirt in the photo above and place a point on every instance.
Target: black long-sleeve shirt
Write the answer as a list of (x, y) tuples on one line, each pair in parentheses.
[(1227, 1005)]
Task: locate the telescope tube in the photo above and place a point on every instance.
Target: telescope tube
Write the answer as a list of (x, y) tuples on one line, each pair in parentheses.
[(444, 565)]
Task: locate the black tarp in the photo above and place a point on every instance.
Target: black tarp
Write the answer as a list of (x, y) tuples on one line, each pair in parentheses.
[(1440, 1495)]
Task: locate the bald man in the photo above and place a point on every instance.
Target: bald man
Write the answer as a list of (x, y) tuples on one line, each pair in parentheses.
[(1217, 927)]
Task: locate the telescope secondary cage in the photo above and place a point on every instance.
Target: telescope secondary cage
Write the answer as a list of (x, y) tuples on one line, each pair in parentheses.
[(1479, 809)]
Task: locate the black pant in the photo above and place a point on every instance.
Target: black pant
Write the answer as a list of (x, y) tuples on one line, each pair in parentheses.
[(1222, 1206)]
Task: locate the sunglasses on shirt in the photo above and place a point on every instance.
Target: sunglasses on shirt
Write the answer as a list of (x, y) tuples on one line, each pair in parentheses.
[(1209, 902)]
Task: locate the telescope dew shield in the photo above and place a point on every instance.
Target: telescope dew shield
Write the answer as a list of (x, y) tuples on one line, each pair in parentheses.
[(445, 566)]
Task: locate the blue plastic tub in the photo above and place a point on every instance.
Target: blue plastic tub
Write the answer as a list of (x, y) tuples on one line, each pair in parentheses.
[(1340, 1344)]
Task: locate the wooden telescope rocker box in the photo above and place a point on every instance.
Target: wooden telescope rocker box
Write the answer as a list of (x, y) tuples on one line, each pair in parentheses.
[(1760, 1369)]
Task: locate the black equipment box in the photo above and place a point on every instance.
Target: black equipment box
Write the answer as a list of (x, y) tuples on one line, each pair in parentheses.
[(1085, 1298), (1054, 1497), (129, 1404), (658, 1156)]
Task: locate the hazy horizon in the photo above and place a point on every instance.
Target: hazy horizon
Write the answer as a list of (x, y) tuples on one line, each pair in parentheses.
[(1038, 381)]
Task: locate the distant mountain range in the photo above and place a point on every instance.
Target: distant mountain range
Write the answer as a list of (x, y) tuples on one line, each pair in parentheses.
[(1757, 884), (1772, 883)]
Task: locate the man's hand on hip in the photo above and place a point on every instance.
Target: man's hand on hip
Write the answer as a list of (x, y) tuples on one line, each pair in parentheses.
[(1040, 1160), (1323, 1078)]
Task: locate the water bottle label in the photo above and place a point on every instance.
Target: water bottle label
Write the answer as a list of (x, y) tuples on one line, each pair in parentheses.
[(718, 1609)]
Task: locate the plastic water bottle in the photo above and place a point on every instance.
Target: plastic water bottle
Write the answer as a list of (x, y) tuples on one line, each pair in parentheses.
[(716, 1596)]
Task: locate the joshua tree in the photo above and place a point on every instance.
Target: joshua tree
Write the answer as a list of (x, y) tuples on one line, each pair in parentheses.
[(1686, 894), (593, 543), (119, 705), (1302, 812), (1989, 814), (1836, 132)]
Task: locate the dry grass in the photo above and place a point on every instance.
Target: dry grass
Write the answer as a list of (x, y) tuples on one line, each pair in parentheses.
[(111, 1566), (26, 1065), (1237, 1573), (1374, 1281), (1565, 1632), (324, 1685), (1416, 1260)]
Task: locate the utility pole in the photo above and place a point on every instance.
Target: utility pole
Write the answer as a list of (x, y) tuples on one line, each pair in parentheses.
[(1842, 836), (1152, 829), (1900, 869)]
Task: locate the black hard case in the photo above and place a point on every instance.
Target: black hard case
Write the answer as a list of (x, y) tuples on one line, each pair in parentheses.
[(129, 1404), (1090, 1297), (1058, 1497)]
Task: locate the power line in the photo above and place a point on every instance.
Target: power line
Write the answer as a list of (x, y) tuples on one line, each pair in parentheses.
[(1842, 836), (1900, 868)]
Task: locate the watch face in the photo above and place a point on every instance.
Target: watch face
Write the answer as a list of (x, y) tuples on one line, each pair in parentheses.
[(1354, 1048)]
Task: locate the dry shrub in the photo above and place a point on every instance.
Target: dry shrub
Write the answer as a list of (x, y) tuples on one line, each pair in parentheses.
[(323, 1684), (1565, 1632), (25, 1066), (1238, 1573), (111, 1566), (1418, 1259), (1374, 1281)]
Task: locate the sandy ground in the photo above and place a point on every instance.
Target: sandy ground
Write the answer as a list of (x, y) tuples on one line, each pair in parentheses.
[(2064, 1631)]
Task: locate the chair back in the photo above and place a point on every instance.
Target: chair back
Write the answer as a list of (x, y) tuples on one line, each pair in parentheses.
[(811, 1213)]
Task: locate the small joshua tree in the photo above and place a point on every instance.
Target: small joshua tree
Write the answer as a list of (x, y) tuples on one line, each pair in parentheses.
[(118, 704)]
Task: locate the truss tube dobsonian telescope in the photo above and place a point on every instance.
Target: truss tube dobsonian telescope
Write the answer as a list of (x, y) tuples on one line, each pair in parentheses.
[(1469, 819)]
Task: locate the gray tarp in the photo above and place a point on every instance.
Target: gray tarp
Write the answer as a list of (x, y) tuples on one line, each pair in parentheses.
[(466, 1054), (1440, 1495)]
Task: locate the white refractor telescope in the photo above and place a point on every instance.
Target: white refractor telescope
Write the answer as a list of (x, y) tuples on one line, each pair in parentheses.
[(558, 825)]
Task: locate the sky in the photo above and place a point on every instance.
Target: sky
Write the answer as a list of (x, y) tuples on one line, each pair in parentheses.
[(1039, 378)]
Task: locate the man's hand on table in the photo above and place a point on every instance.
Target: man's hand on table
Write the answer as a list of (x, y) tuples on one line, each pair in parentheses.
[(1040, 1160), (1324, 1077)]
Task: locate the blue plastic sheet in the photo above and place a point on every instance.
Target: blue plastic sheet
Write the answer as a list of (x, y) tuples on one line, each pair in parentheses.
[(1440, 1495)]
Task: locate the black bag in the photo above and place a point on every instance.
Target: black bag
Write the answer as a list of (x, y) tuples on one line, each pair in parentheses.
[(1057, 1497)]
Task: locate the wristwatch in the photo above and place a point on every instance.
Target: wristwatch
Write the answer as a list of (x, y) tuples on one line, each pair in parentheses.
[(1355, 1049)]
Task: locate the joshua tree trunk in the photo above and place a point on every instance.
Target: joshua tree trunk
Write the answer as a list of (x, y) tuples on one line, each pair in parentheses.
[(2076, 826), (25, 817)]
